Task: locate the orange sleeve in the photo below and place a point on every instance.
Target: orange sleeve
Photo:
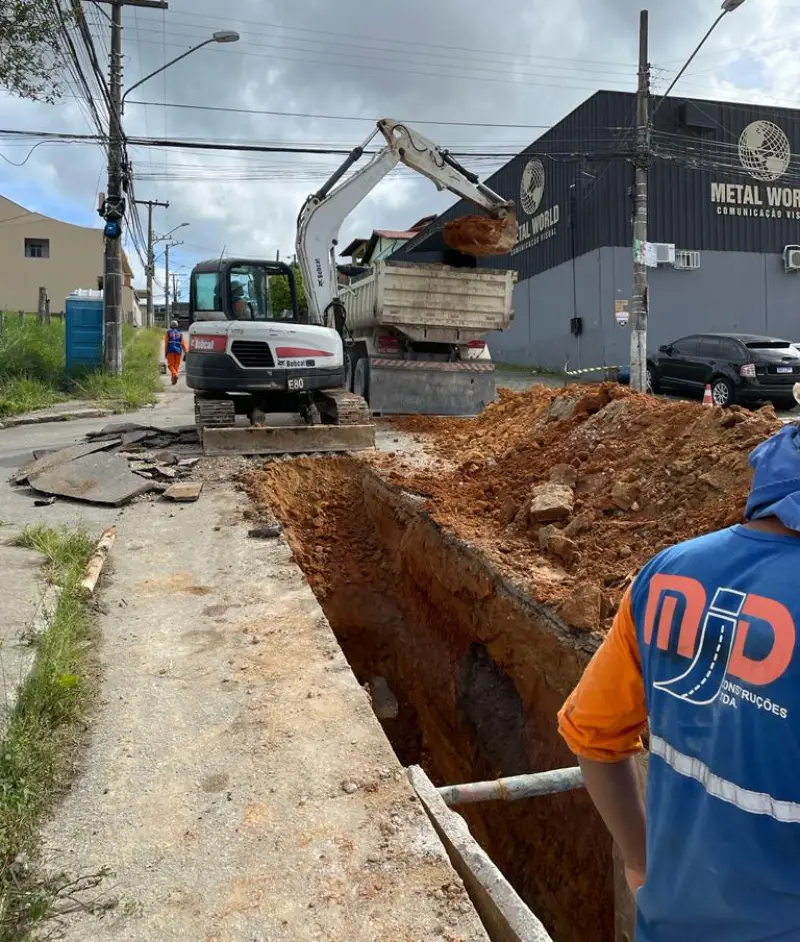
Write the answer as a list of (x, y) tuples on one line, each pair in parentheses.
[(183, 344), (605, 715)]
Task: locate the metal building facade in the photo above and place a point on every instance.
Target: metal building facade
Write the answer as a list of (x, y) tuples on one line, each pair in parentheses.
[(724, 182)]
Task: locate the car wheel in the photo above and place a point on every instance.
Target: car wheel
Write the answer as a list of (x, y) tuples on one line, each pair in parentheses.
[(785, 404), (722, 392), (652, 379)]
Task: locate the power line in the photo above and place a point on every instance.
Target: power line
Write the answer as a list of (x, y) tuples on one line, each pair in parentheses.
[(415, 44), (426, 59), (465, 76), (332, 117)]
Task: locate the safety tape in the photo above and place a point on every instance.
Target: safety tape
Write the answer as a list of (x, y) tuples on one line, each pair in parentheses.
[(590, 369)]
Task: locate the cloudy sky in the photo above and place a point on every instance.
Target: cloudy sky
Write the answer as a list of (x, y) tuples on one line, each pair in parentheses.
[(452, 64)]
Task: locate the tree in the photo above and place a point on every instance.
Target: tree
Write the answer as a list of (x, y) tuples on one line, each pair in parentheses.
[(29, 42), (279, 291)]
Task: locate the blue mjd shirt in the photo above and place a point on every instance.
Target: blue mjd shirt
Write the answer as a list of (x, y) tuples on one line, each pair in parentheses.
[(174, 341), (716, 621)]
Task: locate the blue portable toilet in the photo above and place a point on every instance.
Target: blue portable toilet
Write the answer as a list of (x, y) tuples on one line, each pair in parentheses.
[(84, 334)]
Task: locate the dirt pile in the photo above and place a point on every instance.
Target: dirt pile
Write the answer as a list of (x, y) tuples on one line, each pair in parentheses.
[(479, 235), (639, 473)]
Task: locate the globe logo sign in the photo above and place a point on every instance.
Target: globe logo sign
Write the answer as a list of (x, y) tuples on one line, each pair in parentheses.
[(531, 191), (764, 151)]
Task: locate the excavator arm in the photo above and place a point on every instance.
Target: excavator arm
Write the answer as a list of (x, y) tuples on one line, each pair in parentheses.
[(324, 212)]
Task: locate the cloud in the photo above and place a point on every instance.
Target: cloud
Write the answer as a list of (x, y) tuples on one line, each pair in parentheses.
[(452, 60)]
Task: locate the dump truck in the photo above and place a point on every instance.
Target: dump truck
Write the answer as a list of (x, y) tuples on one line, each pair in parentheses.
[(417, 334)]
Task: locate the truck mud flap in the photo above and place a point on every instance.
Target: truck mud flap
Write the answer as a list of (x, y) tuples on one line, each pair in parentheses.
[(421, 387), (288, 440)]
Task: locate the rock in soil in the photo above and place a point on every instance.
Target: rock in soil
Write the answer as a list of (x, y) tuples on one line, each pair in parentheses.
[(550, 502)]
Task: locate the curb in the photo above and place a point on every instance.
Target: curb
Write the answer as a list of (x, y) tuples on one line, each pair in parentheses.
[(16, 421)]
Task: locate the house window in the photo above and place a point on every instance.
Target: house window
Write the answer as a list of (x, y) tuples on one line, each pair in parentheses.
[(37, 248)]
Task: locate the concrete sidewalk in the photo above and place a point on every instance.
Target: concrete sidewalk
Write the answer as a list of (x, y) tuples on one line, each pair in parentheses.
[(236, 781)]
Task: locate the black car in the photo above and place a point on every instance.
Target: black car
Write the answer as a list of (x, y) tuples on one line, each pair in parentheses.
[(738, 367)]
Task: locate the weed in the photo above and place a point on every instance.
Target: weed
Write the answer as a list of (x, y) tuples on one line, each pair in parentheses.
[(33, 372), (43, 731)]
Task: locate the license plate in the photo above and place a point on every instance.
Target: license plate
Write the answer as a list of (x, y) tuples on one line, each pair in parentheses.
[(786, 369)]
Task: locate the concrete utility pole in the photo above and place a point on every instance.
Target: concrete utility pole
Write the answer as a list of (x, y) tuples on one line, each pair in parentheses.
[(167, 276), (150, 255), (113, 209), (639, 301), (644, 124), (166, 286)]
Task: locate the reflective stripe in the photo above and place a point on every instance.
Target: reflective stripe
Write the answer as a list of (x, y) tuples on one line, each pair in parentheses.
[(787, 812)]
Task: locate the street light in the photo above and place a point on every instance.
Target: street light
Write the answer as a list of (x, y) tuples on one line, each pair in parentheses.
[(728, 6), (221, 36), (639, 303), (165, 237)]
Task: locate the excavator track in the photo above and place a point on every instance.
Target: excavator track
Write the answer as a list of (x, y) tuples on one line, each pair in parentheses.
[(213, 413), (341, 407)]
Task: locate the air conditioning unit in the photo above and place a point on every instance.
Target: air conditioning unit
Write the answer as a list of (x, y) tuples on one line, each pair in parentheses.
[(791, 258), (686, 260), (665, 253)]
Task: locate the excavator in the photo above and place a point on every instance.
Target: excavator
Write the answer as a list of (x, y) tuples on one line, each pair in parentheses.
[(253, 354)]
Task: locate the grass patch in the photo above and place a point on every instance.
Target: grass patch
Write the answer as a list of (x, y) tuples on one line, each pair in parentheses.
[(43, 733), (140, 379), (33, 373)]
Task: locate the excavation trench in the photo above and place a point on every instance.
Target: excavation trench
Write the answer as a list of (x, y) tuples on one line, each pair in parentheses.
[(478, 671)]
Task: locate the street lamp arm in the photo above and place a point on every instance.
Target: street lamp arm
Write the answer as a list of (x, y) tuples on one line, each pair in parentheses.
[(166, 65), (727, 8)]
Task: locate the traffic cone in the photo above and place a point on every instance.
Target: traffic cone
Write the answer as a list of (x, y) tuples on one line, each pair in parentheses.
[(707, 400)]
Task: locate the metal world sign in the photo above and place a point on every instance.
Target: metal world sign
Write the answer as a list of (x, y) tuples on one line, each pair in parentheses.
[(541, 225), (765, 154)]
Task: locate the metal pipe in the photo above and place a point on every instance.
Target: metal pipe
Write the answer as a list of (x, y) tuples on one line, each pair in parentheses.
[(514, 788)]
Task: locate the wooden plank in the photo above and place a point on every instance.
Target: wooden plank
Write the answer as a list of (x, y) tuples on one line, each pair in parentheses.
[(95, 565), (289, 440)]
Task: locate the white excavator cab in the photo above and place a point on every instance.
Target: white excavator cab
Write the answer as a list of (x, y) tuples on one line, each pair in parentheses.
[(243, 290)]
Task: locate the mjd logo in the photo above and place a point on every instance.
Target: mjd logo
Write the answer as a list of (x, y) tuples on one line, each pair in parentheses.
[(715, 638)]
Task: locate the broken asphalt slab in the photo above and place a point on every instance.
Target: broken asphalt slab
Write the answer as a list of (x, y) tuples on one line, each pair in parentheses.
[(52, 459), (184, 492), (98, 478)]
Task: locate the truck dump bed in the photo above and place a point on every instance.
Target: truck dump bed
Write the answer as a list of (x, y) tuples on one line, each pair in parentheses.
[(431, 302)]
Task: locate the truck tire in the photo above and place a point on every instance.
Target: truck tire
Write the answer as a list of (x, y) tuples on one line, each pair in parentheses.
[(361, 379)]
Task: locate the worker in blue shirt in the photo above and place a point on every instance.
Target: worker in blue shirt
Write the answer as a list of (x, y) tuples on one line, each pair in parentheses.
[(704, 652), (175, 350)]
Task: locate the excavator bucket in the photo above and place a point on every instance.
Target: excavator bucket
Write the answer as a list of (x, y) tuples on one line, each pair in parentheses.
[(480, 235), (287, 440)]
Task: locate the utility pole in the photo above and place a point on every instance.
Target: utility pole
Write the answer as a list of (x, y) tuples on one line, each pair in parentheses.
[(151, 263), (639, 303), (113, 208), (166, 287)]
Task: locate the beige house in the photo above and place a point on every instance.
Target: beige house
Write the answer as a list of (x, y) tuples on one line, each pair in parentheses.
[(37, 251)]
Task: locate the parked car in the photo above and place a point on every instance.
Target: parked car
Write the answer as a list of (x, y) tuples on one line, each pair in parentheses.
[(738, 367)]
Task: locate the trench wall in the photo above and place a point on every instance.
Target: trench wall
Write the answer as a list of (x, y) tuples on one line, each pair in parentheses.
[(478, 668), (487, 671)]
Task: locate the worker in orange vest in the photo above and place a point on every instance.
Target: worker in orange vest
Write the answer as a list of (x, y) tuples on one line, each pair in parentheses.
[(175, 350)]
